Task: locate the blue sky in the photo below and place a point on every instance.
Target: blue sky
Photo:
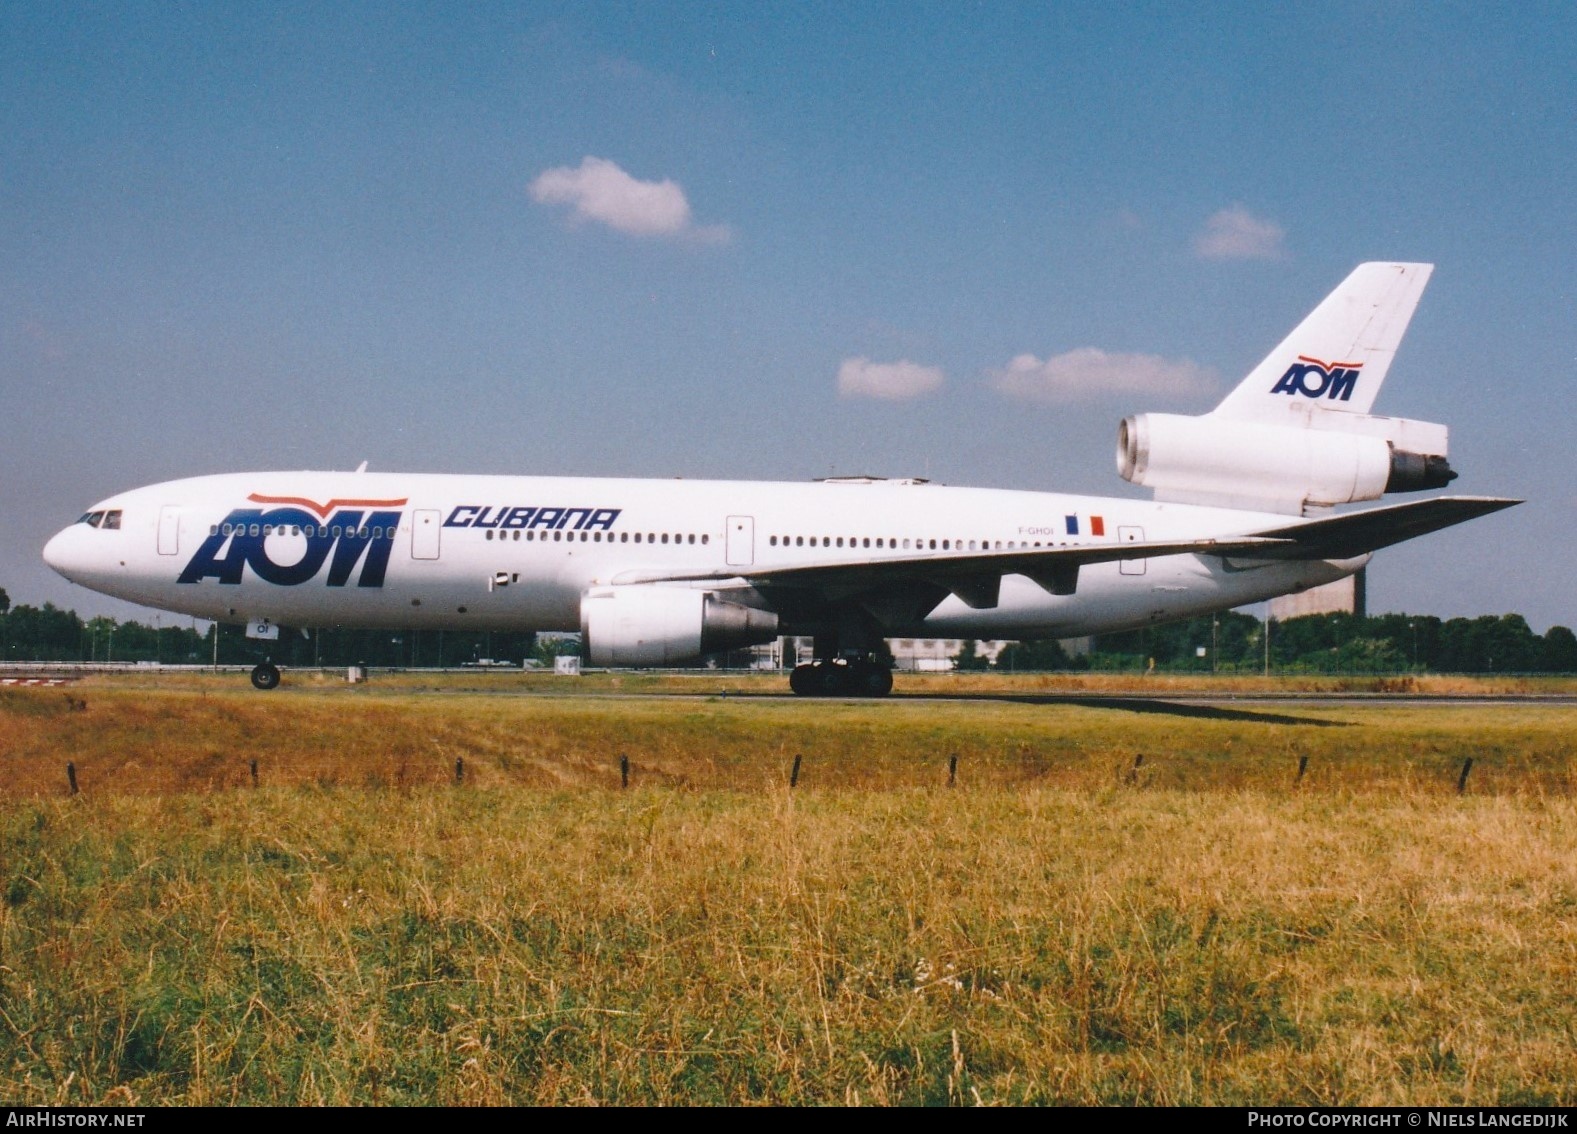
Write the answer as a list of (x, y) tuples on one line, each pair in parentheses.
[(770, 241)]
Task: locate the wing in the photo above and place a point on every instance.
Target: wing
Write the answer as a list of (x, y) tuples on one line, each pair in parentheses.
[(908, 587), (1356, 533)]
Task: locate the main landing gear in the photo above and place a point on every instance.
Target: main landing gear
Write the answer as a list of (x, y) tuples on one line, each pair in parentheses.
[(841, 677), (265, 675)]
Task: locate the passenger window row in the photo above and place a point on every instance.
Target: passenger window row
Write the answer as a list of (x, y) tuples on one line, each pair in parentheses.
[(112, 520), (310, 531), (888, 543), (894, 544), (612, 537)]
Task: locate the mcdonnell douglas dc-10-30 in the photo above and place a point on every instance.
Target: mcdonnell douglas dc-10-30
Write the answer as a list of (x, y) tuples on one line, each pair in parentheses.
[(660, 572)]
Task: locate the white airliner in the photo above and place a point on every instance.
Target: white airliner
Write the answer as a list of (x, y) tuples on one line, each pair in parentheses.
[(660, 572)]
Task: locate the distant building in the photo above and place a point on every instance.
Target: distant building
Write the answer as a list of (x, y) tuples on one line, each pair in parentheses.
[(936, 654), (923, 655), (1345, 596)]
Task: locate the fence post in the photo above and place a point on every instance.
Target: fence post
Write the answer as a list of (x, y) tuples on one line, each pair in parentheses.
[(459, 769), (624, 771), (952, 769), (1467, 766), (794, 772), (71, 776)]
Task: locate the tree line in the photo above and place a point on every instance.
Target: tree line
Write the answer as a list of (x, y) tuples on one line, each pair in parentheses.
[(1232, 642), (47, 633)]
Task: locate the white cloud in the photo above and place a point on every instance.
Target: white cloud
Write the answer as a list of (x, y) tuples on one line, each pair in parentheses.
[(892, 381), (1234, 233), (1129, 221), (1088, 373), (600, 190)]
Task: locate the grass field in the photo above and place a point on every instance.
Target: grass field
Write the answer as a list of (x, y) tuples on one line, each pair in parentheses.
[(1067, 923)]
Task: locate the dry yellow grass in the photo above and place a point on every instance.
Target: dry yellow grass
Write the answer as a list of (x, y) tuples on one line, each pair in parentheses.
[(163, 737), (1059, 927)]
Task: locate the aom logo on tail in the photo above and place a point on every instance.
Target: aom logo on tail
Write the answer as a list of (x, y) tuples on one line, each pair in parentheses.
[(288, 546), (1315, 379)]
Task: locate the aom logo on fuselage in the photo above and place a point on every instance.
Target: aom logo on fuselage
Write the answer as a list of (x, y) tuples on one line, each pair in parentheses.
[(289, 545), (1315, 379)]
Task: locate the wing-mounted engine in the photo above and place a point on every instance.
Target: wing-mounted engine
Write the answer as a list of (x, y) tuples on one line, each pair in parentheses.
[(1296, 435), (648, 624), (1316, 462)]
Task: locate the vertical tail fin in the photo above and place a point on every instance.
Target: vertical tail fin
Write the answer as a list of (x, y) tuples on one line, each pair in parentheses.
[(1297, 435), (1337, 358)]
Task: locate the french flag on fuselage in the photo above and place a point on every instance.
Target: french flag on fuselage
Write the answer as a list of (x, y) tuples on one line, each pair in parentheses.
[(1097, 525)]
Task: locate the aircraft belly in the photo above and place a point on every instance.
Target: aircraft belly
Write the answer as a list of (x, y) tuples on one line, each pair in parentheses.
[(460, 596)]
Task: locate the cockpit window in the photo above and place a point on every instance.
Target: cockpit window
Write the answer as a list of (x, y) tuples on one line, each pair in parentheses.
[(92, 519), (109, 519), (112, 519)]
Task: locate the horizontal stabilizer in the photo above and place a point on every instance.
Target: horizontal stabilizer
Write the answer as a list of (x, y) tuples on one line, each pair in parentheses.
[(1358, 533)]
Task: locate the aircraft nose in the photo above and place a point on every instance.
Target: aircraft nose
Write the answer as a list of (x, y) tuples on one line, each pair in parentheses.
[(64, 551)]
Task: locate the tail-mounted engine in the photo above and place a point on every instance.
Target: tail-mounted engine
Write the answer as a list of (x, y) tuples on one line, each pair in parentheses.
[(648, 624), (1322, 460)]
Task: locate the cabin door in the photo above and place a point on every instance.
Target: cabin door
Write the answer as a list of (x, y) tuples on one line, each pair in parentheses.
[(425, 530), (169, 530), (1131, 535), (741, 541)]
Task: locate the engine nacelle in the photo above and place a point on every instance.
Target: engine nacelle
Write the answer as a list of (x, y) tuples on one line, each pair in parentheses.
[(647, 624), (1237, 463)]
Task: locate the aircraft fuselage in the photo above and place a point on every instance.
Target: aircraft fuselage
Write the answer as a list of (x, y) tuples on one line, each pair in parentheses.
[(497, 552)]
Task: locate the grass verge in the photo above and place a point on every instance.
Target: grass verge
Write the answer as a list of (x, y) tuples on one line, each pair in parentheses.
[(1061, 926)]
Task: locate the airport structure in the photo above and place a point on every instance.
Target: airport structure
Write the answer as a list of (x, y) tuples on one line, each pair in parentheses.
[(910, 655), (1344, 596)]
